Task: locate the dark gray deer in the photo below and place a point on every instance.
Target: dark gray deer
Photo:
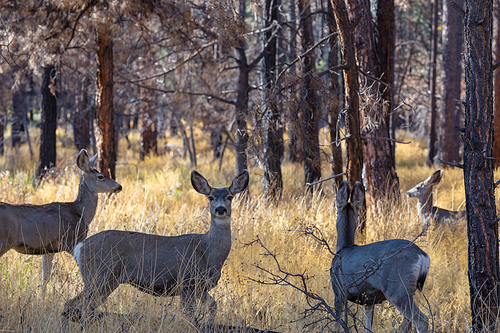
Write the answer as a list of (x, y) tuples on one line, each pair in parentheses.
[(57, 226), (370, 274), (426, 209), (186, 265)]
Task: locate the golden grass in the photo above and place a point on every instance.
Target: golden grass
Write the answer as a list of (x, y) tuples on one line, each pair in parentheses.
[(158, 198)]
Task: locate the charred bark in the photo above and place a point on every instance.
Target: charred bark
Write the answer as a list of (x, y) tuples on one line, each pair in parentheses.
[(83, 119), (272, 143), (309, 100), (105, 129), (149, 132), (49, 121), (432, 140), (482, 222), (496, 86)]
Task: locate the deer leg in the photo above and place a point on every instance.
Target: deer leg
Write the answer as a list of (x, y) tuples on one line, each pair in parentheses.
[(412, 313), (46, 270), (369, 317)]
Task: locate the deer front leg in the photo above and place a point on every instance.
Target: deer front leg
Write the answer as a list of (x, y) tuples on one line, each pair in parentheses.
[(46, 270)]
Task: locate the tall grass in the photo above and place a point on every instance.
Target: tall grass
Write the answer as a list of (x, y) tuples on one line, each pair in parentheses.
[(157, 198)]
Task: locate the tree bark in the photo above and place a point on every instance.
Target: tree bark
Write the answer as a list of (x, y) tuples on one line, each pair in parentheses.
[(482, 223), (496, 86), (83, 119), (149, 132), (432, 142), (105, 129), (19, 109), (49, 121), (334, 103), (242, 100), (309, 100), (354, 156), (272, 143), (449, 139)]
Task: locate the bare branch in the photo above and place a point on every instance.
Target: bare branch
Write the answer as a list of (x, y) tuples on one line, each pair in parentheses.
[(324, 180), (390, 139), (461, 166)]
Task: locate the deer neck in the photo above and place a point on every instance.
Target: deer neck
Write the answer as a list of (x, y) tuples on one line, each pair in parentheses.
[(424, 206), (86, 202), (346, 228), (218, 240)]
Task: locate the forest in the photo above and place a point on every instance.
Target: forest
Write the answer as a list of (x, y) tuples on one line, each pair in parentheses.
[(334, 124)]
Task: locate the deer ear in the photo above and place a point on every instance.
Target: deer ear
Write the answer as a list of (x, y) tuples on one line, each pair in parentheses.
[(92, 161), (343, 194), (240, 182), (358, 195), (199, 183), (82, 161), (435, 178)]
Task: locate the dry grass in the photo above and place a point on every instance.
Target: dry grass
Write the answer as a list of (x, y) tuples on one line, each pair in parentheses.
[(158, 198)]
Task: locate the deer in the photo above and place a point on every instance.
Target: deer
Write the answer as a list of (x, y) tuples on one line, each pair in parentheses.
[(187, 265), (369, 274), (58, 226), (426, 210)]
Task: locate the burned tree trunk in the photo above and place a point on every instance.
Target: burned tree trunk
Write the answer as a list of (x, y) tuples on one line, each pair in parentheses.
[(432, 140), (334, 104), (105, 130), (482, 222), (83, 119), (149, 132), (496, 86), (309, 100), (272, 143), (49, 121)]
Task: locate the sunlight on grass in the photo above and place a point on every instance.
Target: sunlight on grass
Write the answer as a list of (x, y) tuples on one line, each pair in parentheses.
[(157, 197)]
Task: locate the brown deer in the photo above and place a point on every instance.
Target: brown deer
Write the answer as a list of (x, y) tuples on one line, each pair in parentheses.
[(57, 226), (186, 265), (370, 274), (425, 205)]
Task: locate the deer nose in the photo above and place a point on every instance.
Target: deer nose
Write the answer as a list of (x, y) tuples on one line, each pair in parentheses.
[(220, 210)]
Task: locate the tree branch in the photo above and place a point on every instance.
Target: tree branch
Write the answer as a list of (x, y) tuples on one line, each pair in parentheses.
[(461, 166), (87, 6), (324, 180)]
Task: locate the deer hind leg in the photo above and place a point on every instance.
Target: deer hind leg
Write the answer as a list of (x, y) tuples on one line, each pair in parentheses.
[(189, 300), (83, 306), (369, 317), (412, 313), (46, 270)]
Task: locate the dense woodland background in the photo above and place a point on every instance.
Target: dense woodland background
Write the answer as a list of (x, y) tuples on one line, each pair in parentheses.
[(271, 86)]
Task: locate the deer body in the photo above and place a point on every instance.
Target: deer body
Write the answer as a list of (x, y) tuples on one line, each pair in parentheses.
[(370, 274), (58, 226), (186, 265), (426, 210)]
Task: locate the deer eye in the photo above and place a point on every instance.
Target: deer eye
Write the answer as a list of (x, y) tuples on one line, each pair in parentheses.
[(229, 197), (211, 198), (100, 177)]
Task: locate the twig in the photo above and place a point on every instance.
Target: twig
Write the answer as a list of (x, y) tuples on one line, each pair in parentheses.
[(497, 183), (390, 139), (324, 180), (321, 41), (495, 66), (90, 4), (461, 166)]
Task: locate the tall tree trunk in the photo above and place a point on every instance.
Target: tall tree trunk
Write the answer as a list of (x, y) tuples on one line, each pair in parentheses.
[(432, 142), (19, 109), (49, 121), (482, 223), (449, 139), (272, 144), (149, 132), (83, 119), (309, 101), (105, 129), (354, 156), (334, 103), (242, 100), (496, 86)]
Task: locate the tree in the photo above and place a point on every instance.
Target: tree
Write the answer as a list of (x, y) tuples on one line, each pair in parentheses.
[(354, 157), (449, 143), (308, 99), (49, 121), (105, 131), (496, 86), (432, 143), (272, 143), (482, 222)]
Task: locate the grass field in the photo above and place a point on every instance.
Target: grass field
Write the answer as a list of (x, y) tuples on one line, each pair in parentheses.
[(157, 197)]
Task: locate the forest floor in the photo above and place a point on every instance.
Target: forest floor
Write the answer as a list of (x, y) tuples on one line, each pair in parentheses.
[(157, 197)]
